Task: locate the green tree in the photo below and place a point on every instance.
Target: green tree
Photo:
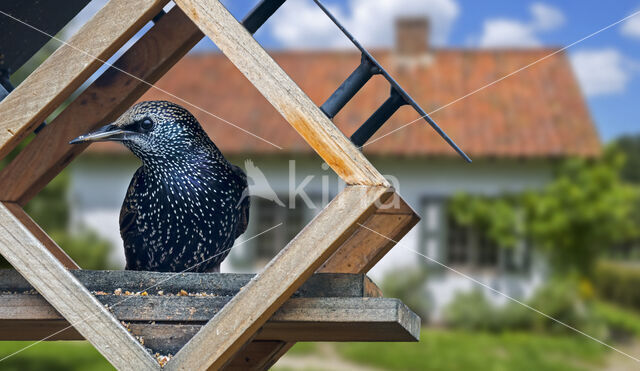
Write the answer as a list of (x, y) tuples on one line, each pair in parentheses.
[(630, 147), (585, 210), (50, 210)]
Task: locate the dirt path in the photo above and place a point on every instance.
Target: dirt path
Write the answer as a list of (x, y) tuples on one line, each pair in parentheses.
[(326, 358), (620, 362)]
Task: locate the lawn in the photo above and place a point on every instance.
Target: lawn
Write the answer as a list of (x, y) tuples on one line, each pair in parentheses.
[(52, 356), (454, 350), (437, 350)]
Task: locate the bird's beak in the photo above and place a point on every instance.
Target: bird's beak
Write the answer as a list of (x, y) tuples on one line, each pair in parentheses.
[(106, 133)]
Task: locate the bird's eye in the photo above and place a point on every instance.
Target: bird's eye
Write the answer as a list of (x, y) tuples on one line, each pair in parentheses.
[(146, 124)]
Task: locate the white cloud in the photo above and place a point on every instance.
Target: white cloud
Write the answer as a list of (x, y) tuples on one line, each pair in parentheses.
[(545, 17), (601, 72), (301, 24), (631, 27), (505, 32)]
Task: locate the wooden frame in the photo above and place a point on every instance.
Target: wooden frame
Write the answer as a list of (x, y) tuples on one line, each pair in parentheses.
[(333, 241)]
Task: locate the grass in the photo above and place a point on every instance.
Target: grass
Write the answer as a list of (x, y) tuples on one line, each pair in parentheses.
[(455, 350), (52, 356), (437, 350), (618, 318)]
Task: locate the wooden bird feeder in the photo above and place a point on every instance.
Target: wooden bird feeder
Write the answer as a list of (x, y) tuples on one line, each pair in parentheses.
[(241, 321)]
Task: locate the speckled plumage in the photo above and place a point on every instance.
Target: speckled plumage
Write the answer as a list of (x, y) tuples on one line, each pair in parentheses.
[(184, 207)]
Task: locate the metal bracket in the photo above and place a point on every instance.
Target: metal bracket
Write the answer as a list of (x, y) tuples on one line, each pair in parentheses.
[(343, 94), (260, 13)]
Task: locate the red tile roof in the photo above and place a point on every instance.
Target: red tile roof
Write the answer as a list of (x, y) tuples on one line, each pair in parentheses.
[(537, 112)]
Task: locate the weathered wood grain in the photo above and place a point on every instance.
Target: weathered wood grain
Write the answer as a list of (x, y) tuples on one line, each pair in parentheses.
[(69, 66), (168, 322), (41, 235), (364, 249), (219, 284), (103, 101), (241, 318), (358, 254), (278, 88), (60, 288)]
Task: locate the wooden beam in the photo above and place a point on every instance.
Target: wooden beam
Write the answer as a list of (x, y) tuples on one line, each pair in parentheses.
[(69, 66), (167, 322), (19, 213), (282, 92), (69, 297), (358, 254), (102, 102), (331, 285), (241, 318), (364, 249)]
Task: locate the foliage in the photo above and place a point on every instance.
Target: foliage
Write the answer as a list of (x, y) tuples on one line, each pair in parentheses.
[(586, 209), (52, 356), (630, 147), (408, 285), (499, 218), (619, 282), (461, 350), (50, 210), (622, 322), (559, 299)]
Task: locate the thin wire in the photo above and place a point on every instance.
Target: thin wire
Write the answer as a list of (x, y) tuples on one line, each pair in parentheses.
[(506, 76), (503, 294), (176, 274), (139, 79)]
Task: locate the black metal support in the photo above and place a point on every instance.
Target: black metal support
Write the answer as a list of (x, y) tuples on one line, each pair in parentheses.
[(395, 88), (358, 78), (157, 17), (260, 13), (5, 84), (379, 117)]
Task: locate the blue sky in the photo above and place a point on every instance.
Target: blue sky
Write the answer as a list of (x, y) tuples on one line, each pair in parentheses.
[(607, 64)]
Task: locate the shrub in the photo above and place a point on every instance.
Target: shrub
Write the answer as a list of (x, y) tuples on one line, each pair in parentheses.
[(408, 285), (559, 299), (619, 282)]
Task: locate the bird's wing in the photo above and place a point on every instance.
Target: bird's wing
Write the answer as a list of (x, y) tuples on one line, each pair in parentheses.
[(244, 204), (128, 214)]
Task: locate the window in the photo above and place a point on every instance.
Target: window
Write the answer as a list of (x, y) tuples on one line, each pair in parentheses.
[(266, 214), (468, 246), (459, 246)]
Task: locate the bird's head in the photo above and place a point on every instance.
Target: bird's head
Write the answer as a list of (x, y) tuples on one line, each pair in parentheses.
[(154, 130)]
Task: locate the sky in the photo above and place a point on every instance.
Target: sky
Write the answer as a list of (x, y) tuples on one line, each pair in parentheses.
[(606, 64)]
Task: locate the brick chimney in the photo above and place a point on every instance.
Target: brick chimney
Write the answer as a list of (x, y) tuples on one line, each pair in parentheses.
[(412, 36)]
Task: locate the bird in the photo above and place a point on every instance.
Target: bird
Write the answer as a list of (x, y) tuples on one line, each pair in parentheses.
[(186, 204)]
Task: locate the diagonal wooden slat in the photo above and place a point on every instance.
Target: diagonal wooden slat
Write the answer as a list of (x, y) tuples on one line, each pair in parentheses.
[(69, 66), (358, 254), (239, 320), (41, 235), (56, 284), (278, 88), (103, 101)]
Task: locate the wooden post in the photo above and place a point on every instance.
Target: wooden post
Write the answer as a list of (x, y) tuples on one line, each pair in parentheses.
[(357, 255), (69, 66), (239, 320), (102, 102), (70, 297), (41, 235), (278, 88)]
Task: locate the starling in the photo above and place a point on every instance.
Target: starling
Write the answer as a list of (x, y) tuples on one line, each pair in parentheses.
[(186, 204)]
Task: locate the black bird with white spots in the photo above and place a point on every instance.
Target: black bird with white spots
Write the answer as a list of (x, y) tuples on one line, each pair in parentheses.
[(186, 204)]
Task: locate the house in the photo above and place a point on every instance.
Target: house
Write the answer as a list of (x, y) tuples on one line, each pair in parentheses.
[(514, 129)]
